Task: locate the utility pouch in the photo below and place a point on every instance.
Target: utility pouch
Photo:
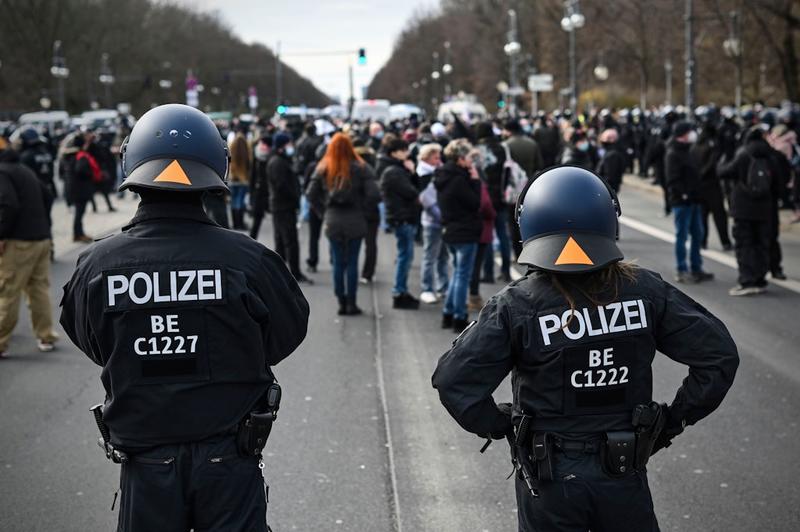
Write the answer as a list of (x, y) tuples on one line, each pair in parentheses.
[(255, 428), (618, 453), (648, 422), (543, 455)]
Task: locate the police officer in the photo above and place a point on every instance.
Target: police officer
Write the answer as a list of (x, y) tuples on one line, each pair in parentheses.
[(186, 319), (579, 333)]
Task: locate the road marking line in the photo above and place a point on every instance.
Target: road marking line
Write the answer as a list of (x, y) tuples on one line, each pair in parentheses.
[(398, 527), (712, 254)]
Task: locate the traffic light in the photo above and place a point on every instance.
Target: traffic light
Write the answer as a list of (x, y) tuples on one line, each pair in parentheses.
[(281, 109), (501, 104), (362, 56)]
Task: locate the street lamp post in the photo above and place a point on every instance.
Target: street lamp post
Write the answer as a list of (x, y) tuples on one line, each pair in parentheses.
[(59, 71), (690, 66), (447, 69), (734, 49), (512, 49), (435, 75), (106, 78), (668, 79), (573, 20)]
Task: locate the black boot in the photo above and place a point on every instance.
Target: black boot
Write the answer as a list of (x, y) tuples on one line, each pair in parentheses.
[(447, 321), (459, 325), (352, 309), (342, 307)]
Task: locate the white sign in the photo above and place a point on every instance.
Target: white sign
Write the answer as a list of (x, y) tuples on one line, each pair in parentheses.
[(540, 83)]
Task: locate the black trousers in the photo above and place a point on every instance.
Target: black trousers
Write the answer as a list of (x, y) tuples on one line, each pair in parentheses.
[(475, 280), (752, 244), (314, 231), (284, 225), (370, 249), (581, 497), (775, 254), (205, 486), (77, 221), (713, 204)]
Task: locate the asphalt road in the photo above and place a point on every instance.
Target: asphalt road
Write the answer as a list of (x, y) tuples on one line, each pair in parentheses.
[(362, 443)]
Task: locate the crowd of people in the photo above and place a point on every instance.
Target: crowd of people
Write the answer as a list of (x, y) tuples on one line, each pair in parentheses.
[(450, 188)]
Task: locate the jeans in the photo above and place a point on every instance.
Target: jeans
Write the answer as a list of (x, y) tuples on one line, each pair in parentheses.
[(463, 261), (501, 229), (238, 195), (404, 233), (434, 260), (345, 267), (688, 223)]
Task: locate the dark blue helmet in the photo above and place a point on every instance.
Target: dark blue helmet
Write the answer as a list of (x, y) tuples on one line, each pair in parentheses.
[(175, 147), (567, 218)]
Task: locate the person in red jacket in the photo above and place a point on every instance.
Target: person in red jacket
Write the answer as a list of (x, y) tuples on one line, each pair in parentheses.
[(487, 215)]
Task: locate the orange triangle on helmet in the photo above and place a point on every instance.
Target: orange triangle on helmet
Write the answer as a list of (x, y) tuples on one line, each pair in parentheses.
[(573, 253), (173, 173)]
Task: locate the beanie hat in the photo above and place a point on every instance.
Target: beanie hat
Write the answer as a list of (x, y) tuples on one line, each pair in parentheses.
[(280, 140)]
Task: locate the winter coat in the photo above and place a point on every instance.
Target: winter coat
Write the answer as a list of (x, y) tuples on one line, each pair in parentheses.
[(400, 195), (344, 207), (284, 188), (549, 141), (587, 160), (459, 202), (743, 205), (80, 185), (24, 201), (682, 175), (706, 154), (612, 166)]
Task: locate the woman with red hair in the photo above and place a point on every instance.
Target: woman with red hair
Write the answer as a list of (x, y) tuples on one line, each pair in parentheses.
[(339, 188)]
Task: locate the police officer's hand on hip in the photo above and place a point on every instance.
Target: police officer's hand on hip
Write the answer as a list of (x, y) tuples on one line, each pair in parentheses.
[(579, 333), (186, 319)]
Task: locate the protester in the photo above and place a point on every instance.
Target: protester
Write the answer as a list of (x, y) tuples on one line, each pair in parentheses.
[(683, 184), (493, 163), (24, 251), (579, 152), (284, 202), (259, 188), (434, 276), (400, 196), (459, 193), (372, 214), (82, 174), (612, 163), (487, 216), (339, 188), (239, 177), (524, 149), (752, 174), (706, 154)]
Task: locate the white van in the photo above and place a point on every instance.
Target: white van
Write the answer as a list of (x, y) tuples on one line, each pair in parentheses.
[(404, 111), (371, 110), (466, 110), (46, 120)]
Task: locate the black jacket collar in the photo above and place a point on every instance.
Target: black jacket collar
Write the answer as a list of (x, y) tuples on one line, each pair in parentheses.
[(148, 212)]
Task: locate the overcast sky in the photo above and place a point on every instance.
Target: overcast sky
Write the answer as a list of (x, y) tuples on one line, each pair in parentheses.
[(304, 26)]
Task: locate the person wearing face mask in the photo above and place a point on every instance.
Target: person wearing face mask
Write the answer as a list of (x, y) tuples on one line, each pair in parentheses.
[(612, 165), (284, 202), (375, 136), (579, 152), (683, 187)]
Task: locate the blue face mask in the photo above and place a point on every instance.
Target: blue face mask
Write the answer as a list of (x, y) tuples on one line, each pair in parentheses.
[(289, 150), (379, 135), (582, 146)]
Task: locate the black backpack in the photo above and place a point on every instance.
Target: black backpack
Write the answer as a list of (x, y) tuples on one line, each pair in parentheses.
[(759, 178)]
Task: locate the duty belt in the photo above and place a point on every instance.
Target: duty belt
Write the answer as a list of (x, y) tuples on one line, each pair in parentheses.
[(582, 446)]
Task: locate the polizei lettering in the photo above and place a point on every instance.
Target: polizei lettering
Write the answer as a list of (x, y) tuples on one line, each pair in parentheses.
[(608, 319), (147, 288)]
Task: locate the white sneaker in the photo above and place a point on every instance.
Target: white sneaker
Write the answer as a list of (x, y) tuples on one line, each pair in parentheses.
[(45, 347), (429, 298), (740, 290)]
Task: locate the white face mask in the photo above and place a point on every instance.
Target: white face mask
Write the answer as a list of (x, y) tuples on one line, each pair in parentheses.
[(289, 150), (692, 137)]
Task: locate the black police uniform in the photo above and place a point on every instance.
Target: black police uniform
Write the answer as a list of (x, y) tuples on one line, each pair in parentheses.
[(578, 373), (186, 319)]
